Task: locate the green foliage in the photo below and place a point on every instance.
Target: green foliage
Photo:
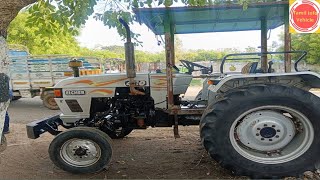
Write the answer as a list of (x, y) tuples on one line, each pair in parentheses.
[(65, 43), (303, 42), (103, 54), (69, 15), (115, 49), (309, 43), (207, 55), (250, 49), (58, 42), (147, 57)]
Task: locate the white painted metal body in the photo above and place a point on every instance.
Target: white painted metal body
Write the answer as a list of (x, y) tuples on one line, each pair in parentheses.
[(105, 86)]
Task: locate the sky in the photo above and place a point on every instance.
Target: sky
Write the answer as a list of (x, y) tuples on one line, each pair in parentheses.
[(96, 34)]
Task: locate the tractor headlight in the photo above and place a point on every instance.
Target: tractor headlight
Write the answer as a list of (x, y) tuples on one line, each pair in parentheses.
[(58, 93)]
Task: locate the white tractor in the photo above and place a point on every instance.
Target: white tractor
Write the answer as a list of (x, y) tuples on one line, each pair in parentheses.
[(262, 125)]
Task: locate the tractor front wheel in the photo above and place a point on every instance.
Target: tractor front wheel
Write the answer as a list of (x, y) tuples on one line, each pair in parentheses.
[(81, 150), (264, 131)]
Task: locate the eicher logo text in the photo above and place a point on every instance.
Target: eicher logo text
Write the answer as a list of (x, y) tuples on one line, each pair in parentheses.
[(75, 92)]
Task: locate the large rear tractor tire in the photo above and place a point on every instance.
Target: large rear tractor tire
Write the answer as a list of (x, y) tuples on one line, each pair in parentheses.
[(264, 131), (81, 150), (49, 102)]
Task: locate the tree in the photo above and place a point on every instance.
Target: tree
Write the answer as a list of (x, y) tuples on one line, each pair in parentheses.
[(9, 10), (309, 43), (59, 42), (72, 14), (251, 49), (303, 42), (178, 48)]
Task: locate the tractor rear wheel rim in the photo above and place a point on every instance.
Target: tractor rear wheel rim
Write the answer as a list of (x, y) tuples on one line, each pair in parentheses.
[(282, 137), (80, 152)]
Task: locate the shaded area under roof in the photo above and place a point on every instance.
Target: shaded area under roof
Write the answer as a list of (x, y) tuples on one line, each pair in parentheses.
[(218, 18)]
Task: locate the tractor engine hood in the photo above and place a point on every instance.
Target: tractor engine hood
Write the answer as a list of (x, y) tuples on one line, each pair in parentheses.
[(102, 81)]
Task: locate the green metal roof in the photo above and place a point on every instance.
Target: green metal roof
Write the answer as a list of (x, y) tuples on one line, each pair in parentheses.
[(218, 18)]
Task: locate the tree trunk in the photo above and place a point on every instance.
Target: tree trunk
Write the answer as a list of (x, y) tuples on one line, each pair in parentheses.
[(8, 11), (4, 62)]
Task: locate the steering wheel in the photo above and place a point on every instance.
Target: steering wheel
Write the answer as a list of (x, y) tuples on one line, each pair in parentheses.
[(176, 68), (191, 67)]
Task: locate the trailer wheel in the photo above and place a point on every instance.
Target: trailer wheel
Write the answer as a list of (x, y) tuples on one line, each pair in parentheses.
[(264, 131), (49, 102), (81, 150)]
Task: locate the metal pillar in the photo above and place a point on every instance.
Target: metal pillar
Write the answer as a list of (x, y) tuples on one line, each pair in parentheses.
[(264, 44), (287, 43)]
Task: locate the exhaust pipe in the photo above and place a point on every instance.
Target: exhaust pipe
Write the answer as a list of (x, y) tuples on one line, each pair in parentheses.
[(130, 60)]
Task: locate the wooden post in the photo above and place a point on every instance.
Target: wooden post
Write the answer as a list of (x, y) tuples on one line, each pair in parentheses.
[(264, 44), (170, 60)]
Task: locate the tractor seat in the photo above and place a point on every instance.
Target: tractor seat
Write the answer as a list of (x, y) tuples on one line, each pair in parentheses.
[(250, 68)]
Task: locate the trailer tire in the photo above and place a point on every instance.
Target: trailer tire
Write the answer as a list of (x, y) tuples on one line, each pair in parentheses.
[(227, 125), (81, 150), (49, 102)]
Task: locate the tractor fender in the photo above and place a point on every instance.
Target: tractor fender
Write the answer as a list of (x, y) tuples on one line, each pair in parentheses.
[(303, 80)]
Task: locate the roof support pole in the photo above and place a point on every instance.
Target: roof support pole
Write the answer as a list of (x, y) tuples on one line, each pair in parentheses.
[(287, 43), (169, 49), (170, 62), (264, 44)]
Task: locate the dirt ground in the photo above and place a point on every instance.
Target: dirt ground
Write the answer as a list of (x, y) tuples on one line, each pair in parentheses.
[(145, 154), (150, 154)]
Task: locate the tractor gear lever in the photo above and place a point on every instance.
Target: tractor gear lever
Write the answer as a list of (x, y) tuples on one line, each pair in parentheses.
[(270, 66)]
